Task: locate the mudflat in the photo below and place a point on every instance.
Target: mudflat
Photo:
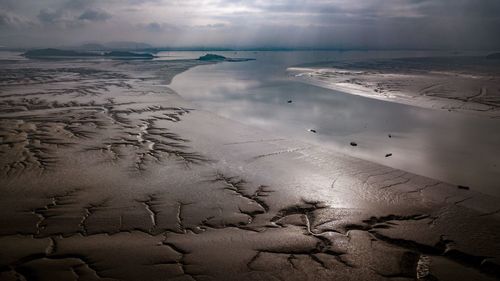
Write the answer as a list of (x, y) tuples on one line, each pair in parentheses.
[(107, 174), (467, 84)]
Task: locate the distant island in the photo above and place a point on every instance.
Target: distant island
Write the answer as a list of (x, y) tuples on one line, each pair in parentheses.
[(214, 57), (123, 54), (58, 53), (494, 56)]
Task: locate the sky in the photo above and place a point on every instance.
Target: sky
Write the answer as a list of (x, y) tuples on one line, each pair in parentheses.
[(336, 24)]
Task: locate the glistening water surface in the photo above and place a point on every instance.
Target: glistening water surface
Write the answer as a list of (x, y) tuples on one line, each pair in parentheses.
[(454, 147)]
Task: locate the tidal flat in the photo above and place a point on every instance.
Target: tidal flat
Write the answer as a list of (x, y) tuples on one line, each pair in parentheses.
[(108, 173)]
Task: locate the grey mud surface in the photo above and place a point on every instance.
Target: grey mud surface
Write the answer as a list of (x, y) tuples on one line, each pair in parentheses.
[(461, 83), (106, 174)]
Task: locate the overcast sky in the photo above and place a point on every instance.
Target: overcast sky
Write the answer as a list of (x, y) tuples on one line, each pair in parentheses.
[(449, 24)]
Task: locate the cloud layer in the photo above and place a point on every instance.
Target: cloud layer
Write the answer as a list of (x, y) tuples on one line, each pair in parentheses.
[(450, 24)]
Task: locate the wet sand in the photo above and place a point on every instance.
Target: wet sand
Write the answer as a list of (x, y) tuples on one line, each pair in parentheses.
[(107, 174), (465, 84)]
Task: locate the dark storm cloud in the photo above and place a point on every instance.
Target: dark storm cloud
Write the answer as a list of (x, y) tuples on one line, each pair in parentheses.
[(154, 27), (48, 16), (160, 27), (78, 4), (94, 15), (451, 24), (10, 20)]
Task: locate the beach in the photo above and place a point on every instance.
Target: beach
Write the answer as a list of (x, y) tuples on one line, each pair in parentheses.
[(109, 174)]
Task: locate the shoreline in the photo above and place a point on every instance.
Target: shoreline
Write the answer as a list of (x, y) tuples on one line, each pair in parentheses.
[(415, 87), (418, 144)]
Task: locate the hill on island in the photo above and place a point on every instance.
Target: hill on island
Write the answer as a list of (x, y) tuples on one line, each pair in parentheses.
[(56, 53), (214, 57)]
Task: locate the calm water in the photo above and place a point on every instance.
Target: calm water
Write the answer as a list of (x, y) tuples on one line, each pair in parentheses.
[(457, 148)]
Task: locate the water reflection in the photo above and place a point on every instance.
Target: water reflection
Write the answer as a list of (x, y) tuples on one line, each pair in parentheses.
[(453, 147)]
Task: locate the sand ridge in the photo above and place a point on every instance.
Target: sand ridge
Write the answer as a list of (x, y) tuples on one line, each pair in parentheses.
[(463, 84)]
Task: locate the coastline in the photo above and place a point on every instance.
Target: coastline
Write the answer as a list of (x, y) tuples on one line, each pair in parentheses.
[(118, 166)]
